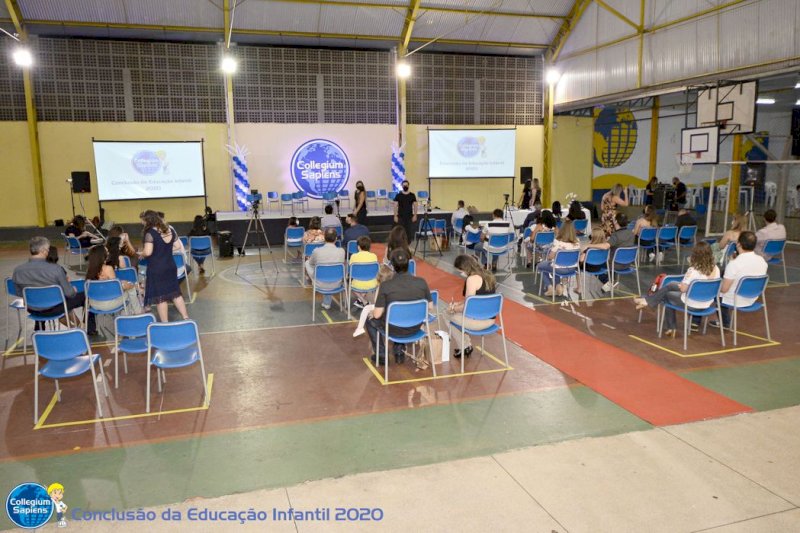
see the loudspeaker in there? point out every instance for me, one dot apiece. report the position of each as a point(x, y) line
point(525, 174)
point(81, 182)
point(795, 132)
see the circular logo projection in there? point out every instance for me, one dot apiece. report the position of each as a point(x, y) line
point(615, 134)
point(320, 166)
point(146, 162)
point(471, 146)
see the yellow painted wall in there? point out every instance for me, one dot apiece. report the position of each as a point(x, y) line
point(17, 199)
point(572, 158)
point(485, 194)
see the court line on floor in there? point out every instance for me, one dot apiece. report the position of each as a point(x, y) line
point(13, 347)
point(378, 375)
point(768, 344)
point(42, 425)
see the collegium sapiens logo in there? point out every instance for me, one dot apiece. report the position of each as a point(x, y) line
point(29, 505)
point(320, 166)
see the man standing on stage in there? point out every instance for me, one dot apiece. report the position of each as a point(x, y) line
point(405, 210)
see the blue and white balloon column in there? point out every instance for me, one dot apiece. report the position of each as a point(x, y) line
point(398, 167)
point(241, 184)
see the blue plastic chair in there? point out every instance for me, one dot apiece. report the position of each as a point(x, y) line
point(42, 298)
point(581, 225)
point(352, 248)
point(647, 241)
point(687, 236)
point(470, 239)
point(435, 315)
point(672, 278)
point(541, 245)
point(344, 198)
point(328, 197)
point(625, 261)
point(68, 355)
point(293, 238)
point(328, 274)
point(130, 337)
point(749, 287)
point(126, 261)
point(382, 196)
point(392, 195)
point(273, 198)
point(372, 196)
point(185, 241)
point(73, 247)
point(412, 267)
point(142, 265)
point(108, 290)
point(458, 228)
point(200, 248)
point(774, 254)
point(730, 249)
point(405, 315)
point(308, 249)
point(287, 200)
point(304, 201)
point(79, 285)
point(338, 228)
point(666, 239)
point(128, 274)
point(705, 293)
point(422, 195)
point(499, 245)
point(595, 257)
point(180, 262)
point(565, 265)
point(483, 307)
point(361, 272)
point(174, 345)
point(14, 302)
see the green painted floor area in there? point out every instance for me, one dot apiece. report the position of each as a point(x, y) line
point(169, 472)
point(762, 386)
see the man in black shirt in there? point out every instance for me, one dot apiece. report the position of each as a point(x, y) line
point(685, 218)
point(405, 210)
point(403, 287)
point(680, 193)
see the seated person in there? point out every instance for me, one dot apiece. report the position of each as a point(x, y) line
point(556, 210)
point(314, 232)
point(685, 218)
point(566, 239)
point(576, 211)
point(738, 224)
point(294, 223)
point(363, 256)
point(328, 254)
point(199, 229)
point(649, 219)
point(77, 229)
point(771, 231)
point(329, 220)
point(746, 263)
point(622, 237)
point(403, 287)
point(99, 269)
point(497, 226)
point(126, 248)
point(546, 222)
point(459, 213)
point(398, 240)
point(597, 241)
point(39, 272)
point(354, 229)
point(701, 266)
point(478, 281)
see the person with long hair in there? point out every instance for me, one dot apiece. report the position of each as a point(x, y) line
point(566, 239)
point(126, 248)
point(77, 229)
point(576, 211)
point(536, 193)
point(650, 191)
point(360, 200)
point(314, 232)
point(702, 266)
point(526, 199)
point(649, 219)
point(199, 229)
point(738, 225)
point(608, 207)
point(478, 281)
point(98, 269)
point(397, 240)
point(556, 210)
point(162, 271)
point(115, 256)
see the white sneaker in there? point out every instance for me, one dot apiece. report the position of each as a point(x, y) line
point(651, 256)
point(660, 257)
point(607, 286)
point(326, 306)
point(359, 332)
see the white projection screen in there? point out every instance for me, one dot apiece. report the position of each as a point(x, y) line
point(472, 153)
point(148, 170)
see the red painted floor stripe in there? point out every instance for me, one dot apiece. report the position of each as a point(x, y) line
point(652, 393)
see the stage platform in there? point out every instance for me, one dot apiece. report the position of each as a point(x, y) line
point(275, 222)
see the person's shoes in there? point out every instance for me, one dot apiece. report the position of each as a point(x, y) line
point(715, 324)
point(670, 333)
point(359, 304)
point(494, 268)
point(641, 303)
point(660, 257)
point(93, 333)
point(326, 306)
point(201, 270)
point(549, 291)
point(467, 352)
point(694, 327)
point(399, 358)
point(378, 361)
point(606, 286)
point(651, 256)
point(358, 332)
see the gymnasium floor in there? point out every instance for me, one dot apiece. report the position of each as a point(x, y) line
point(608, 407)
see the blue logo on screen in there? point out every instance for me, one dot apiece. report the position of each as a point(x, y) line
point(471, 146)
point(320, 166)
point(146, 162)
point(29, 505)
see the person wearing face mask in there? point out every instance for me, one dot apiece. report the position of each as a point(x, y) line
point(361, 203)
point(405, 210)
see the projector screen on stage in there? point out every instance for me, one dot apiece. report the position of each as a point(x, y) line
point(472, 153)
point(148, 170)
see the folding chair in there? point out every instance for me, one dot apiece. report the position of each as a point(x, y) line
point(687, 236)
point(130, 337)
point(73, 247)
point(293, 238)
point(703, 294)
point(404, 315)
point(625, 261)
point(361, 272)
point(174, 345)
point(565, 265)
point(180, 262)
point(273, 198)
point(749, 288)
point(15, 302)
point(42, 298)
point(102, 293)
point(200, 248)
point(774, 254)
point(595, 257)
point(328, 274)
point(308, 249)
point(483, 307)
point(68, 355)
point(666, 239)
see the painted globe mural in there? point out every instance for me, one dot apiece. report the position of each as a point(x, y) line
point(615, 134)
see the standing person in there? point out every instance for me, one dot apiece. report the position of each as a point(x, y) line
point(680, 193)
point(199, 229)
point(405, 210)
point(608, 207)
point(650, 190)
point(354, 230)
point(361, 203)
point(478, 281)
point(526, 199)
point(536, 192)
point(772, 230)
point(162, 272)
point(328, 254)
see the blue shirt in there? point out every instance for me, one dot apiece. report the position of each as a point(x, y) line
point(354, 232)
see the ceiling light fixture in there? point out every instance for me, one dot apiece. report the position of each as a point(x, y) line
point(228, 65)
point(403, 70)
point(23, 57)
point(552, 76)
point(767, 101)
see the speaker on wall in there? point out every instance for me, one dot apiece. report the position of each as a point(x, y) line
point(525, 174)
point(81, 182)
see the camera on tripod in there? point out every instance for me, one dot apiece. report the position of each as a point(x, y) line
point(255, 198)
point(506, 197)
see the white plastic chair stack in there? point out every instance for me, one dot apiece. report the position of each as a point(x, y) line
point(771, 193)
point(720, 198)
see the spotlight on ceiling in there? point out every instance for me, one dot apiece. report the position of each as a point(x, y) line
point(552, 76)
point(228, 65)
point(765, 101)
point(403, 70)
point(23, 57)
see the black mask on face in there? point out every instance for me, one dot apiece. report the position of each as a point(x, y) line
point(405, 188)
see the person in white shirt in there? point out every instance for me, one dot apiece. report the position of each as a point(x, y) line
point(497, 226)
point(458, 213)
point(566, 239)
point(702, 266)
point(746, 263)
point(772, 231)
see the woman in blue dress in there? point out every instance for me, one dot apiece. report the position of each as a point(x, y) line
point(162, 284)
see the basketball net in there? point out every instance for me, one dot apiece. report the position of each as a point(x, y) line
point(686, 161)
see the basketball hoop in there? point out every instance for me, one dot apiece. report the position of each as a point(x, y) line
point(685, 162)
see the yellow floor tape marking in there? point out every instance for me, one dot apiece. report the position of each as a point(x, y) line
point(204, 407)
point(194, 297)
point(327, 317)
point(378, 375)
point(13, 347)
point(702, 354)
point(47, 410)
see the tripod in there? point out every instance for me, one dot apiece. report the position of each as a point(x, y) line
point(256, 227)
point(507, 209)
point(426, 230)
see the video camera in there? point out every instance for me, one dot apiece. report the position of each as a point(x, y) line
point(255, 198)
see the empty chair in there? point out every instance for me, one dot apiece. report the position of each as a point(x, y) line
point(721, 198)
point(180, 262)
point(292, 239)
point(273, 198)
point(174, 345)
point(773, 252)
point(625, 261)
point(702, 299)
point(14, 302)
point(287, 200)
point(372, 197)
point(68, 355)
point(344, 198)
point(392, 195)
point(687, 236)
point(382, 197)
point(482, 307)
point(422, 195)
point(200, 248)
point(39, 299)
point(745, 299)
point(130, 337)
point(328, 280)
point(328, 197)
point(404, 315)
point(73, 247)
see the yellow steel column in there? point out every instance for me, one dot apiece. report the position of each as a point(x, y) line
point(33, 138)
point(653, 138)
point(548, 147)
point(229, 111)
point(736, 175)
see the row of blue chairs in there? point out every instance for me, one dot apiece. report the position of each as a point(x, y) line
point(300, 198)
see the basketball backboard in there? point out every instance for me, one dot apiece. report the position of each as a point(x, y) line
point(700, 146)
point(732, 106)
